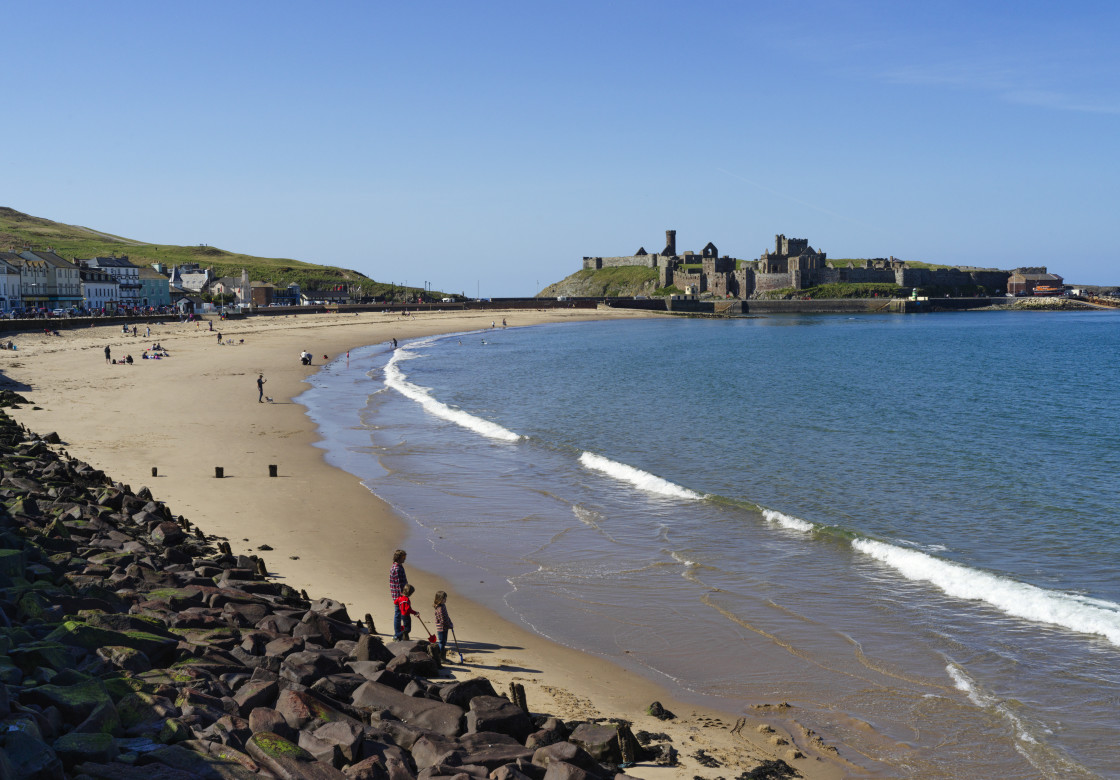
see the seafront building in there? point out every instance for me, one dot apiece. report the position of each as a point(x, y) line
point(9, 283)
point(126, 274)
point(47, 281)
point(100, 289)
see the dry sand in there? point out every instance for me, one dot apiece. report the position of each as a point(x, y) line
point(198, 409)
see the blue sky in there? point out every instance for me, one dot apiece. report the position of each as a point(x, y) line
point(488, 147)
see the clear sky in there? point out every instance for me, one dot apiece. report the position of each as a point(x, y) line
point(489, 146)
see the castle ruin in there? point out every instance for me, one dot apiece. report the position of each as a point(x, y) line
point(793, 264)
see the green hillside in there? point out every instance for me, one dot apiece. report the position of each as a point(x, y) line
point(624, 281)
point(19, 232)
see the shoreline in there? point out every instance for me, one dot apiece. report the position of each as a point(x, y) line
point(329, 534)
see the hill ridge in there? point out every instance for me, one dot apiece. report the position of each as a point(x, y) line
point(20, 231)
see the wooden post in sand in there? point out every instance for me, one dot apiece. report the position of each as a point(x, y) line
point(272, 471)
point(517, 695)
point(155, 471)
point(219, 472)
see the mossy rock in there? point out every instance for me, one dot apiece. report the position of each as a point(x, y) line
point(174, 731)
point(58, 529)
point(119, 687)
point(32, 605)
point(275, 746)
point(140, 707)
point(126, 658)
point(74, 748)
point(11, 563)
point(72, 632)
point(75, 702)
point(10, 674)
point(50, 655)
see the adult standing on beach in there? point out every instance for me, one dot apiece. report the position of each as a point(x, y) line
point(260, 388)
point(108, 354)
point(397, 580)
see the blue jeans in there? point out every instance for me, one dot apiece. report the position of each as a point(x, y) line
point(442, 637)
point(396, 621)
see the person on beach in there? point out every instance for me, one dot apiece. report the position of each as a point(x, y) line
point(260, 388)
point(108, 354)
point(443, 622)
point(397, 580)
point(219, 337)
point(405, 611)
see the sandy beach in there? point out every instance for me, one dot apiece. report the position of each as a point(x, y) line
point(198, 409)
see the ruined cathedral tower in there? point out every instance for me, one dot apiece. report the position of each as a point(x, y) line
point(670, 243)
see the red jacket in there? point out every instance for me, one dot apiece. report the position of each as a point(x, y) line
point(405, 606)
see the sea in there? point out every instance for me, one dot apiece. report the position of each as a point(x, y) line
point(904, 526)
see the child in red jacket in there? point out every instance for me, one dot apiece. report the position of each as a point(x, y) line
point(404, 606)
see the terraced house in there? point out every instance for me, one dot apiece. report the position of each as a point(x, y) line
point(48, 282)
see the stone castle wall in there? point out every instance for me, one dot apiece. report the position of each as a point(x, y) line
point(595, 263)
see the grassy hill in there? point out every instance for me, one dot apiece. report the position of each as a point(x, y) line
point(19, 232)
point(604, 282)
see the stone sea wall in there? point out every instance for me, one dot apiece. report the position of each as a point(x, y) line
point(134, 645)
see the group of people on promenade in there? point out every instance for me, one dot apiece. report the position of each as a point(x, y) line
point(401, 593)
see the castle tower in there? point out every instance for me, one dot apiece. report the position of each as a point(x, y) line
point(670, 243)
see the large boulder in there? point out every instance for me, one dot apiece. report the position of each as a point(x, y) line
point(567, 753)
point(307, 666)
point(600, 741)
point(266, 719)
point(345, 736)
point(74, 748)
point(76, 702)
point(287, 760)
point(461, 693)
point(493, 713)
point(371, 648)
point(338, 686)
point(299, 709)
point(561, 770)
point(256, 693)
point(445, 719)
point(31, 758)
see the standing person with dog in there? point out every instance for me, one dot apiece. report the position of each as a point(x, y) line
point(260, 388)
point(397, 580)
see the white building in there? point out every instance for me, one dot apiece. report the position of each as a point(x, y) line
point(9, 283)
point(126, 274)
point(100, 289)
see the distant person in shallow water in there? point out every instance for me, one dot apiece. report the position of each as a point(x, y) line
point(397, 580)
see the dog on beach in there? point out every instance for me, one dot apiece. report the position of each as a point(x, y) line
point(268, 399)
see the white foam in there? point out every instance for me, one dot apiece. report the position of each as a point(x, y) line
point(683, 561)
point(984, 700)
point(640, 479)
point(787, 521)
point(1009, 596)
point(395, 379)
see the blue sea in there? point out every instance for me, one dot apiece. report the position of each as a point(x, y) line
point(905, 526)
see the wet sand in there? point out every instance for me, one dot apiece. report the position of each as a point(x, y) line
point(198, 409)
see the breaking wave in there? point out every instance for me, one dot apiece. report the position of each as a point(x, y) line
point(642, 480)
point(1011, 597)
point(395, 378)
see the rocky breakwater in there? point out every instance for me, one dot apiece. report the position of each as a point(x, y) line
point(1048, 304)
point(133, 646)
